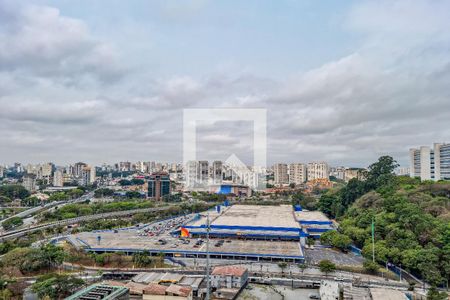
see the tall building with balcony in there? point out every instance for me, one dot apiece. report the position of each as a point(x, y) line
point(58, 178)
point(280, 173)
point(29, 182)
point(217, 172)
point(297, 173)
point(430, 163)
point(196, 174)
point(159, 185)
point(87, 175)
point(318, 170)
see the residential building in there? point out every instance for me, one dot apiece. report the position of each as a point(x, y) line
point(351, 173)
point(87, 176)
point(402, 171)
point(280, 172)
point(297, 173)
point(1, 171)
point(124, 166)
point(229, 277)
point(196, 174)
point(318, 170)
point(159, 185)
point(430, 163)
point(29, 182)
point(78, 169)
point(58, 178)
point(338, 172)
point(217, 172)
point(47, 170)
point(162, 292)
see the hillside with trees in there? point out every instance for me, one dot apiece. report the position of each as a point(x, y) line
point(411, 219)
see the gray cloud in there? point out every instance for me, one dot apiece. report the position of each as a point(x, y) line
point(58, 100)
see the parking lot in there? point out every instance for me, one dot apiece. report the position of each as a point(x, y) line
point(157, 237)
point(314, 256)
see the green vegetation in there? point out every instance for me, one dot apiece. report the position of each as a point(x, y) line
point(336, 239)
point(434, 294)
point(371, 266)
point(13, 191)
point(23, 261)
point(11, 223)
point(326, 266)
point(103, 192)
point(76, 210)
point(56, 286)
point(411, 219)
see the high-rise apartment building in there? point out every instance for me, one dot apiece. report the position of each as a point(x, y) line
point(88, 175)
point(159, 185)
point(29, 182)
point(430, 163)
point(297, 173)
point(196, 173)
point(280, 172)
point(78, 169)
point(58, 178)
point(217, 172)
point(318, 170)
point(1, 172)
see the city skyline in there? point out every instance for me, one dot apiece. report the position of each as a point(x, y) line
point(341, 83)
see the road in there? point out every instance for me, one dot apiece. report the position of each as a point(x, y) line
point(47, 206)
point(21, 232)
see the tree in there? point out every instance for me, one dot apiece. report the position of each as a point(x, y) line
point(370, 266)
point(302, 267)
point(56, 286)
point(341, 241)
point(381, 173)
point(434, 294)
point(11, 223)
point(326, 266)
point(282, 265)
point(14, 191)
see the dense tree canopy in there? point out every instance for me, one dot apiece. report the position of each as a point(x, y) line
point(412, 219)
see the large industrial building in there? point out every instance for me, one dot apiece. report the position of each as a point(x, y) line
point(242, 232)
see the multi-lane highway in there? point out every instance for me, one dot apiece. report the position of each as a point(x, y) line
point(24, 231)
point(37, 209)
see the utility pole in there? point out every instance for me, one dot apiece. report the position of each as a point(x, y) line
point(207, 258)
point(373, 240)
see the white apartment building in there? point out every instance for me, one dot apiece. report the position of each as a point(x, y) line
point(430, 163)
point(1, 171)
point(217, 172)
point(229, 277)
point(318, 170)
point(280, 172)
point(88, 175)
point(297, 173)
point(58, 178)
point(196, 174)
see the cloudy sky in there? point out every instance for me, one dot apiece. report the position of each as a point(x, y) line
point(108, 80)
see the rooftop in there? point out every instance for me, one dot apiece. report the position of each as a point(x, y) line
point(257, 216)
point(229, 270)
point(311, 216)
point(386, 294)
point(179, 290)
point(99, 292)
point(155, 289)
